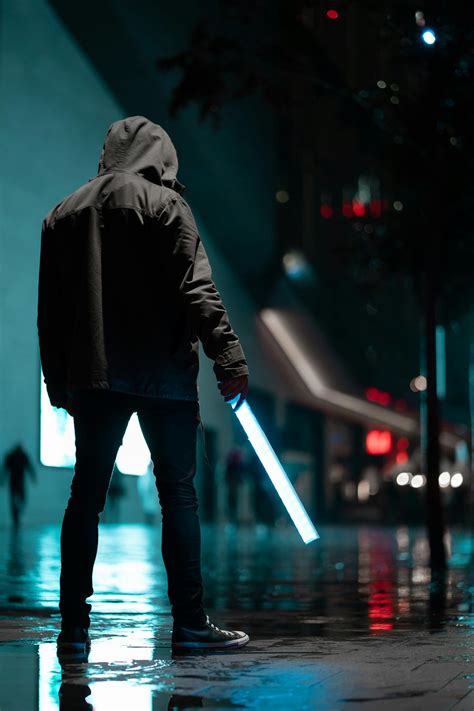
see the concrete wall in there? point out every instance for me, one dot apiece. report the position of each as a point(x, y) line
point(55, 111)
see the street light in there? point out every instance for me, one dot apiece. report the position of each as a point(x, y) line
point(428, 37)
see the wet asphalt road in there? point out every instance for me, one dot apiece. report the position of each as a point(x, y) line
point(354, 620)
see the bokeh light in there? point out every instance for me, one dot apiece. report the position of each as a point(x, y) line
point(429, 37)
point(282, 196)
point(444, 479)
point(456, 480)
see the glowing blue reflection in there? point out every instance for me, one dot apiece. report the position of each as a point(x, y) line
point(275, 471)
point(107, 693)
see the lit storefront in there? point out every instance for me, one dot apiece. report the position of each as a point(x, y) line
point(361, 448)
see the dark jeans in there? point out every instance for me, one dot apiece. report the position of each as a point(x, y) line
point(169, 427)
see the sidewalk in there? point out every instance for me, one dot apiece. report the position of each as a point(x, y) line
point(351, 621)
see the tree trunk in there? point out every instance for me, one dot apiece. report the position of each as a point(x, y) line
point(430, 426)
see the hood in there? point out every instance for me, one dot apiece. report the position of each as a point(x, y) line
point(138, 145)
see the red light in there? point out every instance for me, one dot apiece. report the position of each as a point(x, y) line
point(359, 208)
point(377, 626)
point(332, 14)
point(384, 399)
point(376, 208)
point(381, 601)
point(379, 396)
point(401, 458)
point(403, 443)
point(400, 406)
point(378, 442)
point(347, 210)
point(326, 211)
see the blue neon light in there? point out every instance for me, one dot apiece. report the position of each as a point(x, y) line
point(275, 471)
point(429, 37)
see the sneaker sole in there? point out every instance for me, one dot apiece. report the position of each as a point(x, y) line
point(212, 645)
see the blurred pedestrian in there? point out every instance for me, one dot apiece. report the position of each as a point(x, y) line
point(234, 466)
point(125, 294)
point(16, 464)
point(264, 495)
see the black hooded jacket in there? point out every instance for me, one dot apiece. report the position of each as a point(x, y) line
point(125, 288)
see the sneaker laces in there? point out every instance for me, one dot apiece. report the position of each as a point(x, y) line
point(218, 629)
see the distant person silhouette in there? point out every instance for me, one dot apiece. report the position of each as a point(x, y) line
point(17, 463)
point(264, 497)
point(234, 471)
point(125, 295)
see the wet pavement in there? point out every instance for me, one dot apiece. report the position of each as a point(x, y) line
point(354, 620)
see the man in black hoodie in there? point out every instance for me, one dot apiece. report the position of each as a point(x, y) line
point(125, 294)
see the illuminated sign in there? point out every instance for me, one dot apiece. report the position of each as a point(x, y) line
point(58, 444)
point(57, 438)
point(378, 442)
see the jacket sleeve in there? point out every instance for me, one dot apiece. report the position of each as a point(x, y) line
point(191, 271)
point(50, 321)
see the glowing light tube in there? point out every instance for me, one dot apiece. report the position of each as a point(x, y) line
point(275, 471)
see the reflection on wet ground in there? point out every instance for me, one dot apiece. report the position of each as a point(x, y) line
point(353, 620)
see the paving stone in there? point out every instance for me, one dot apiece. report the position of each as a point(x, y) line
point(320, 639)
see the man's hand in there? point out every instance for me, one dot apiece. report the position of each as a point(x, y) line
point(233, 387)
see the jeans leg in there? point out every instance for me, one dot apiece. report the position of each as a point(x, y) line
point(170, 428)
point(100, 422)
